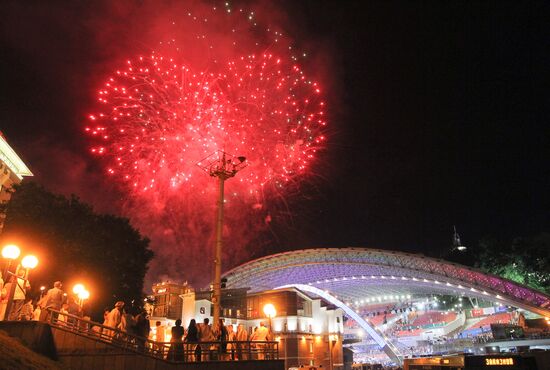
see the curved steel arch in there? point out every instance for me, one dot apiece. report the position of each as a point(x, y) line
point(352, 273)
point(374, 333)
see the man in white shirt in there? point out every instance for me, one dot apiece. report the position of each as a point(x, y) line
point(260, 335)
point(21, 287)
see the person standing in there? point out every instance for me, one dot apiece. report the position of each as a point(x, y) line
point(114, 318)
point(52, 300)
point(159, 338)
point(260, 335)
point(27, 310)
point(231, 337)
point(241, 337)
point(206, 335)
point(222, 338)
point(21, 287)
point(175, 353)
point(127, 323)
point(143, 328)
point(192, 338)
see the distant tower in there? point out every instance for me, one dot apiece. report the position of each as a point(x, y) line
point(12, 170)
point(456, 241)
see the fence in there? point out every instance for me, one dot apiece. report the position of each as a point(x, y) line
point(170, 351)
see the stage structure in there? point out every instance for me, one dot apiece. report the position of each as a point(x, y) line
point(349, 276)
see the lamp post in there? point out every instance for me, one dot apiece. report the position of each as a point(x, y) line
point(82, 296)
point(81, 293)
point(28, 262)
point(10, 252)
point(270, 312)
point(223, 166)
point(332, 339)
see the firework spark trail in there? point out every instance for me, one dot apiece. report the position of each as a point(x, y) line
point(161, 115)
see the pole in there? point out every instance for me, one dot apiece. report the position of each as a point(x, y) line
point(11, 292)
point(330, 345)
point(216, 297)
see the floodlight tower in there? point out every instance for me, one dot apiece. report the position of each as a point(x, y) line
point(223, 166)
point(456, 241)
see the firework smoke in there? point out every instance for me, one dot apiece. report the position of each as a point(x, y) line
point(167, 110)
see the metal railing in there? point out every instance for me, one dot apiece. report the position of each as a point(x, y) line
point(171, 351)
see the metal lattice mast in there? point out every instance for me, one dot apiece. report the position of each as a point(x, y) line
point(224, 167)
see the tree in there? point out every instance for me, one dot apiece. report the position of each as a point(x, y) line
point(525, 260)
point(75, 244)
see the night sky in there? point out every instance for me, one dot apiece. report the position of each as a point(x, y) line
point(438, 114)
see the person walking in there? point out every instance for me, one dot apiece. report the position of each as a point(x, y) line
point(52, 300)
point(175, 353)
point(192, 339)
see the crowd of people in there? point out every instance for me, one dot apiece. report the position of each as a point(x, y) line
point(23, 308)
point(198, 342)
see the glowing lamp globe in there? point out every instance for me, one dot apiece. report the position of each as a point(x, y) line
point(29, 262)
point(84, 294)
point(78, 288)
point(270, 310)
point(11, 251)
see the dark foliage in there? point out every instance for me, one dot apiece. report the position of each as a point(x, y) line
point(75, 244)
point(525, 260)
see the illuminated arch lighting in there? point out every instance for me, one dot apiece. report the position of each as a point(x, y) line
point(374, 333)
point(373, 269)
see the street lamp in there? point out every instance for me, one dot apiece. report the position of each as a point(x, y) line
point(270, 312)
point(78, 288)
point(28, 262)
point(81, 293)
point(9, 252)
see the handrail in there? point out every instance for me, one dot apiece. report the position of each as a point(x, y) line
point(176, 351)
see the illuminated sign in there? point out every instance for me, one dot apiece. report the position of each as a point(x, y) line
point(161, 290)
point(499, 361)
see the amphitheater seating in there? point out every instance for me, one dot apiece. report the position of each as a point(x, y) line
point(409, 333)
point(434, 318)
point(499, 318)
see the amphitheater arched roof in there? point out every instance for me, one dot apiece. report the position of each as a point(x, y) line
point(354, 274)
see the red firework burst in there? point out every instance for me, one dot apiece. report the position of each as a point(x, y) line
point(160, 118)
point(227, 83)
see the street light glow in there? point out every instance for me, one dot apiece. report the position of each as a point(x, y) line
point(29, 262)
point(83, 294)
point(11, 251)
point(270, 310)
point(78, 288)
